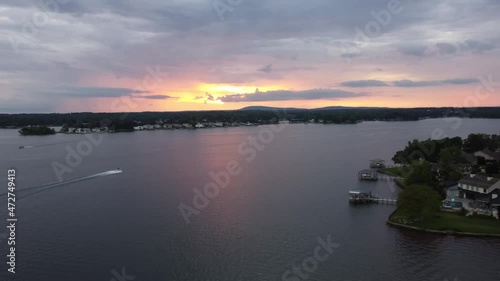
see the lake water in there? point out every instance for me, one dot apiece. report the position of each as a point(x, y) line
point(267, 220)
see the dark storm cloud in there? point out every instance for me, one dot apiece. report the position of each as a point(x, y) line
point(411, 83)
point(156, 97)
point(417, 50)
point(93, 92)
point(364, 83)
point(408, 83)
point(267, 69)
point(446, 48)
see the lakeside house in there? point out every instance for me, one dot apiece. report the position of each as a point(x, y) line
point(476, 194)
point(479, 184)
point(481, 192)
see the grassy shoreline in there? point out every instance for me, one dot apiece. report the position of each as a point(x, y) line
point(394, 171)
point(452, 223)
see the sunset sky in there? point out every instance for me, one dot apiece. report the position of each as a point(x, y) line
point(172, 55)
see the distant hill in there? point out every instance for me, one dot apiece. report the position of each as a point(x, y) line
point(269, 108)
point(266, 108)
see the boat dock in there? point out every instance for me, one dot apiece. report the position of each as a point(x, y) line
point(358, 197)
point(388, 201)
point(373, 175)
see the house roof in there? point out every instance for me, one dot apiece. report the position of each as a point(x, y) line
point(455, 187)
point(495, 155)
point(480, 181)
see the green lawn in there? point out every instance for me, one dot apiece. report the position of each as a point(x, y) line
point(454, 222)
point(395, 171)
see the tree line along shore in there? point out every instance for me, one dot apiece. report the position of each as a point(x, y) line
point(451, 185)
point(253, 115)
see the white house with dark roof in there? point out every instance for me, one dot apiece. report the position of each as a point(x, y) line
point(479, 184)
point(482, 189)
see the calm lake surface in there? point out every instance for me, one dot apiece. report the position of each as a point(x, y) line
point(266, 221)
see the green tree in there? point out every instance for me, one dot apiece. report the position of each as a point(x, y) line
point(451, 155)
point(448, 157)
point(38, 130)
point(492, 168)
point(476, 142)
point(421, 173)
point(418, 202)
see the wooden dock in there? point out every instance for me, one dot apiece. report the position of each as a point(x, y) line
point(357, 197)
point(385, 201)
point(388, 201)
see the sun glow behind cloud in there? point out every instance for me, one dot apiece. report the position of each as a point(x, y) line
point(424, 57)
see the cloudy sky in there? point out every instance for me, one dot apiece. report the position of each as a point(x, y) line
point(171, 55)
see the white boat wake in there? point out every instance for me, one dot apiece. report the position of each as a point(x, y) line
point(38, 189)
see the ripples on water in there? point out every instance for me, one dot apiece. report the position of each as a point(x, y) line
point(266, 221)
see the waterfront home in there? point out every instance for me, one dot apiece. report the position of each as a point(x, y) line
point(479, 184)
point(377, 163)
point(488, 155)
point(453, 192)
point(481, 189)
point(371, 175)
point(199, 126)
point(83, 131)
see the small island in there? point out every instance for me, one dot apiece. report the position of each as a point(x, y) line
point(37, 131)
point(450, 186)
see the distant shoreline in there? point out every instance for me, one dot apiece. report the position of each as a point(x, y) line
point(253, 115)
point(171, 127)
